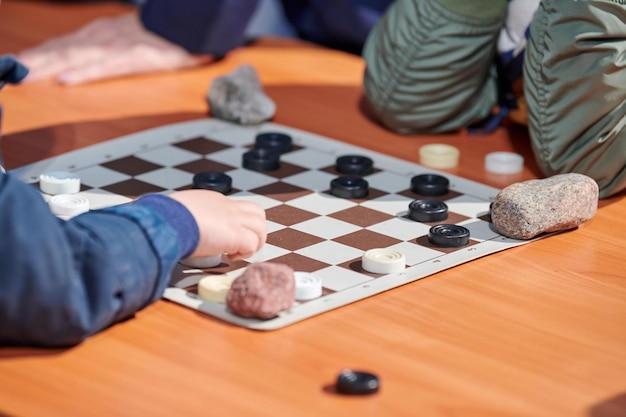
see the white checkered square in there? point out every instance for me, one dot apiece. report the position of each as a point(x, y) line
point(274, 227)
point(243, 180)
point(330, 252)
point(229, 156)
point(392, 204)
point(99, 176)
point(468, 206)
point(267, 252)
point(338, 279)
point(168, 156)
point(480, 230)
point(325, 227)
point(235, 136)
point(389, 181)
point(170, 178)
point(321, 203)
point(100, 198)
point(308, 158)
point(311, 180)
point(415, 254)
point(265, 202)
point(400, 228)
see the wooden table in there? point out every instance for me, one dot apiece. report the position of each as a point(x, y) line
point(539, 330)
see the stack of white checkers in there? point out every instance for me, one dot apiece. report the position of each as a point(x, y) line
point(63, 188)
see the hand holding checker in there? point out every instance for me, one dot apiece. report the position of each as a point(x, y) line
point(236, 228)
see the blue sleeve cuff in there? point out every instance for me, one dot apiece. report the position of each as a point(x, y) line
point(178, 217)
point(11, 70)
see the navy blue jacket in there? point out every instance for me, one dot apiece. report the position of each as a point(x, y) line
point(63, 281)
point(216, 27)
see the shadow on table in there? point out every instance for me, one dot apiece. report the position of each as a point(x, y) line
point(325, 110)
point(611, 407)
point(31, 352)
point(33, 145)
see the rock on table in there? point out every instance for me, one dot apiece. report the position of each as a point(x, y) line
point(262, 291)
point(526, 209)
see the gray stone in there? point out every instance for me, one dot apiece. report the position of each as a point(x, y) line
point(239, 97)
point(527, 209)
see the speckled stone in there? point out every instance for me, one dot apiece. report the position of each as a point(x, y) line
point(262, 291)
point(239, 97)
point(527, 209)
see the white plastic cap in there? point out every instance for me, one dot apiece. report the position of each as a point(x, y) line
point(383, 261)
point(308, 286)
point(504, 163)
point(67, 206)
point(59, 182)
point(439, 155)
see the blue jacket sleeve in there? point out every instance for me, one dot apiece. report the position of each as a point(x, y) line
point(200, 26)
point(61, 282)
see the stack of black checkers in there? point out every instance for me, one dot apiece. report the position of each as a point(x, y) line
point(430, 210)
point(264, 157)
point(351, 184)
point(268, 147)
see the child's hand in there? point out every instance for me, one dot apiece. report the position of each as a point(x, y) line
point(236, 228)
point(106, 48)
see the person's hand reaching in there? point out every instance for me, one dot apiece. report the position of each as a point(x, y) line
point(236, 228)
point(106, 48)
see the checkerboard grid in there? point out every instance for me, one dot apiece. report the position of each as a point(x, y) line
point(388, 175)
point(169, 155)
point(322, 203)
point(336, 278)
point(308, 158)
point(340, 257)
point(98, 176)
